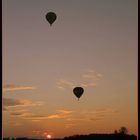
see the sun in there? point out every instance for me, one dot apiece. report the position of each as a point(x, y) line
point(49, 136)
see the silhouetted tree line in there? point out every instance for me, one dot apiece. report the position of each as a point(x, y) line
point(15, 139)
point(93, 137)
point(102, 137)
point(120, 134)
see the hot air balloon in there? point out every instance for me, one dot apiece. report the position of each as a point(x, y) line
point(51, 17)
point(78, 91)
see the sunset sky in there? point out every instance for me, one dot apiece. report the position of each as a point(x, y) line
point(92, 43)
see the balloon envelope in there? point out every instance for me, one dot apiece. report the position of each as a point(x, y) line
point(51, 17)
point(78, 91)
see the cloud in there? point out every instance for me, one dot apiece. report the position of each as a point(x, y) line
point(37, 116)
point(18, 124)
point(95, 119)
point(20, 113)
point(92, 75)
point(93, 115)
point(68, 115)
point(35, 120)
point(88, 84)
point(37, 132)
point(67, 84)
point(12, 123)
point(82, 118)
point(15, 87)
point(70, 125)
point(105, 111)
point(17, 114)
point(4, 108)
point(10, 102)
point(100, 112)
point(56, 116)
point(65, 111)
point(60, 114)
point(89, 79)
point(63, 84)
point(28, 115)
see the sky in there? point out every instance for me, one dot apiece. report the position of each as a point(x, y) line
point(92, 44)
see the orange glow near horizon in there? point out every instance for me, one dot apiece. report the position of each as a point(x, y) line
point(49, 136)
